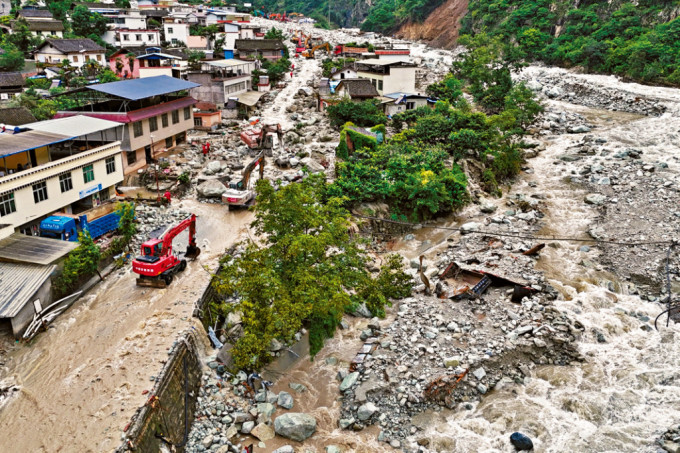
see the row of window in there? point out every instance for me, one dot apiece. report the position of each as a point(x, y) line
point(7, 205)
point(138, 128)
point(75, 58)
point(138, 37)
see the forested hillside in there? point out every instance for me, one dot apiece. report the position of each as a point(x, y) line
point(638, 40)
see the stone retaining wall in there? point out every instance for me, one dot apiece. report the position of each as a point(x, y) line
point(164, 413)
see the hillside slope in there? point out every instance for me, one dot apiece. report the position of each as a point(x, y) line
point(440, 28)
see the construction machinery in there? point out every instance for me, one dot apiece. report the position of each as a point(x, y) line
point(240, 194)
point(263, 138)
point(310, 53)
point(157, 264)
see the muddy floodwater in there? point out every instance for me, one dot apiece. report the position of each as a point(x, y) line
point(81, 381)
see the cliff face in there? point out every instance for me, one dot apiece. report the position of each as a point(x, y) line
point(441, 27)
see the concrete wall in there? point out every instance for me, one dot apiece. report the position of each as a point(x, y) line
point(167, 416)
point(21, 321)
point(400, 80)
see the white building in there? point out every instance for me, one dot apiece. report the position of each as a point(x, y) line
point(388, 76)
point(77, 51)
point(68, 165)
point(123, 37)
point(176, 33)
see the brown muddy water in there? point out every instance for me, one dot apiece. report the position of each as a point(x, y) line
point(82, 380)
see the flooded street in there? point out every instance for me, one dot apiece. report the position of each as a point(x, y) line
point(81, 381)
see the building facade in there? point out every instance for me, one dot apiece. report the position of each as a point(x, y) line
point(77, 51)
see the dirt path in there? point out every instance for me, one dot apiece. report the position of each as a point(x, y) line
point(83, 379)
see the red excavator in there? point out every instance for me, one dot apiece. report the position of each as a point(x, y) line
point(157, 264)
point(262, 138)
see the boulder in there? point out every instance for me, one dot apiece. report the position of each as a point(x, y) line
point(285, 400)
point(349, 381)
point(487, 207)
point(284, 449)
point(363, 311)
point(247, 427)
point(521, 442)
point(263, 432)
point(312, 165)
point(469, 227)
point(333, 449)
point(305, 91)
point(595, 199)
point(553, 92)
point(366, 411)
point(295, 426)
point(266, 409)
point(212, 188)
point(214, 167)
point(579, 130)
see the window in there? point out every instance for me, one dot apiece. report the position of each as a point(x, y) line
point(110, 165)
point(65, 182)
point(153, 123)
point(168, 142)
point(175, 116)
point(380, 85)
point(75, 58)
point(40, 192)
point(164, 120)
point(151, 38)
point(138, 37)
point(237, 87)
point(126, 37)
point(7, 205)
point(104, 194)
point(131, 157)
point(99, 58)
point(187, 113)
point(174, 41)
point(198, 122)
point(88, 173)
point(137, 128)
point(170, 30)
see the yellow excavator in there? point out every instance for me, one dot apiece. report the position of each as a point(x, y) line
point(310, 53)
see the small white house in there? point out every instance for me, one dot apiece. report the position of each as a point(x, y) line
point(123, 37)
point(176, 33)
point(348, 72)
point(77, 51)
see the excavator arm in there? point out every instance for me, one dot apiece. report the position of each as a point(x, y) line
point(259, 159)
point(170, 235)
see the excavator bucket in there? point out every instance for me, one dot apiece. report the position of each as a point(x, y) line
point(192, 252)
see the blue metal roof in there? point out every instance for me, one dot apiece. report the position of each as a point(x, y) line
point(147, 87)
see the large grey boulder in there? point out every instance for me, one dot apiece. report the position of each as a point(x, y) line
point(366, 411)
point(349, 381)
point(312, 165)
point(212, 188)
point(295, 426)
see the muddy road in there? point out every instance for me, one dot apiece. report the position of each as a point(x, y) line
point(81, 381)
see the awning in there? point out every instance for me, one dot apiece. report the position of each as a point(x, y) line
point(25, 141)
point(165, 107)
point(250, 98)
point(76, 126)
point(19, 248)
point(18, 285)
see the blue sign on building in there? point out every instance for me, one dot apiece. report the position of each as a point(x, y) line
point(89, 191)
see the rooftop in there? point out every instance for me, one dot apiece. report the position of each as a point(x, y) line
point(259, 44)
point(19, 283)
point(16, 116)
point(378, 62)
point(19, 248)
point(11, 79)
point(72, 45)
point(75, 126)
point(358, 88)
point(44, 25)
point(30, 13)
point(147, 87)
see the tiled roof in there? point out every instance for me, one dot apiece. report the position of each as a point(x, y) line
point(73, 45)
point(358, 88)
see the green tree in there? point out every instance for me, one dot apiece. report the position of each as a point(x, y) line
point(307, 272)
point(21, 36)
point(80, 264)
point(274, 33)
point(194, 59)
point(364, 114)
point(449, 89)
point(86, 23)
point(12, 59)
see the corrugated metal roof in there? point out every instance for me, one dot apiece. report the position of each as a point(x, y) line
point(18, 285)
point(228, 63)
point(24, 141)
point(378, 62)
point(165, 107)
point(19, 248)
point(146, 87)
point(75, 125)
point(249, 98)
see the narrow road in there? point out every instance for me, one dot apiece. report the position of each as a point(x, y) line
point(82, 380)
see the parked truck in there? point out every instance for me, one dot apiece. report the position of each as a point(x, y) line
point(67, 227)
